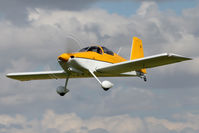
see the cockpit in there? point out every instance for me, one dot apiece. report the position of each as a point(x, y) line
point(97, 49)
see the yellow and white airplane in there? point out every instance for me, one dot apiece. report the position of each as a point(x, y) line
point(98, 61)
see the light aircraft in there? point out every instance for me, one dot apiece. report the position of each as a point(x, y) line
point(98, 61)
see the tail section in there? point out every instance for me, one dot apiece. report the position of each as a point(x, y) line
point(137, 51)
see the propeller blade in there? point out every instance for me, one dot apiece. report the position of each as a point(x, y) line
point(72, 44)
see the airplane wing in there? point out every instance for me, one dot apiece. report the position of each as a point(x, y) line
point(61, 74)
point(127, 66)
point(25, 76)
point(141, 63)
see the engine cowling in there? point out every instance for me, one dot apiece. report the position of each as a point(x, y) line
point(61, 90)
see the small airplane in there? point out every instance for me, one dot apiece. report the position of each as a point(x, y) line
point(99, 61)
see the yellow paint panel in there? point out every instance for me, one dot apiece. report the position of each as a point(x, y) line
point(137, 50)
point(100, 57)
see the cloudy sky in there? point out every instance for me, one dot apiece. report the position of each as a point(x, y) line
point(34, 33)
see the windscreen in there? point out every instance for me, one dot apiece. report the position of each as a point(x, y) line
point(107, 51)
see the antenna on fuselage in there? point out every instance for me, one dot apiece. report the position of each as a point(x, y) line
point(119, 50)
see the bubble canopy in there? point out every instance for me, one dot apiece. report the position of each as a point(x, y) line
point(97, 49)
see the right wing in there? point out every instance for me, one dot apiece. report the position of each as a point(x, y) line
point(141, 63)
point(26, 76)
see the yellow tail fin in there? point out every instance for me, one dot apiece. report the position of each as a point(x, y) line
point(137, 50)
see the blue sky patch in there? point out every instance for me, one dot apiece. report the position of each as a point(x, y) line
point(130, 8)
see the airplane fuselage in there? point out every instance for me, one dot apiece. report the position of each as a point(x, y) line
point(91, 58)
point(82, 65)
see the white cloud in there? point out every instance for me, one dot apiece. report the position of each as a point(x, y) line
point(147, 7)
point(66, 122)
point(7, 120)
point(114, 124)
point(175, 126)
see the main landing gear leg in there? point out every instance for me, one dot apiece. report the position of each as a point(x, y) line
point(62, 90)
point(106, 85)
point(144, 77)
point(66, 82)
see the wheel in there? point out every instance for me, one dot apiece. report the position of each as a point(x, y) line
point(106, 85)
point(61, 90)
point(145, 79)
point(62, 94)
point(106, 89)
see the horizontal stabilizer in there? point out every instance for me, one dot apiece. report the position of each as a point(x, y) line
point(141, 63)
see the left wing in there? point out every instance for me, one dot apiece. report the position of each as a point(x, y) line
point(141, 63)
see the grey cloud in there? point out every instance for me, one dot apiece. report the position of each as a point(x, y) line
point(99, 130)
point(189, 130)
point(53, 130)
point(16, 10)
point(154, 0)
point(2, 126)
point(11, 126)
point(94, 28)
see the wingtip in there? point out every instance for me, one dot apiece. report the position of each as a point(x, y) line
point(189, 58)
point(8, 75)
point(176, 55)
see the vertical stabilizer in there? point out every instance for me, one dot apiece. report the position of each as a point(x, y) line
point(137, 50)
